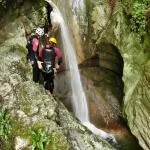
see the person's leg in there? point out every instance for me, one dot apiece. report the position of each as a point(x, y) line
point(45, 80)
point(48, 82)
point(51, 85)
point(36, 73)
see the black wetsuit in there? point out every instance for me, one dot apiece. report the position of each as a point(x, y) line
point(47, 56)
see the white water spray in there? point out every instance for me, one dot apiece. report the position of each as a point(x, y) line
point(78, 96)
point(76, 5)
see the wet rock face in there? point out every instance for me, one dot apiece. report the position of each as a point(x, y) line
point(110, 58)
point(63, 89)
point(137, 111)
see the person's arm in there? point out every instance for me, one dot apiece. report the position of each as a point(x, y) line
point(40, 60)
point(58, 54)
point(35, 43)
point(41, 54)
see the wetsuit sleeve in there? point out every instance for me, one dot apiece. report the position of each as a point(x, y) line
point(58, 54)
point(35, 43)
point(41, 54)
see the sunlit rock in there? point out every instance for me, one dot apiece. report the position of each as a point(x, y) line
point(20, 143)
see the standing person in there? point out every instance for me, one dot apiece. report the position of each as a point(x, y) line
point(47, 62)
point(33, 52)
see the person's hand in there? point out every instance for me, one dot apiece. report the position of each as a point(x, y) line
point(39, 64)
point(57, 66)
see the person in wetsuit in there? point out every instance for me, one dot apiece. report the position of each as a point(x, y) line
point(33, 52)
point(47, 64)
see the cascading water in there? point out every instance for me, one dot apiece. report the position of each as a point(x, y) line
point(78, 96)
point(76, 6)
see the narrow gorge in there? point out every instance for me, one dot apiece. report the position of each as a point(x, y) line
point(102, 88)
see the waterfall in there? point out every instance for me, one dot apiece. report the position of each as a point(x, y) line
point(78, 96)
point(77, 5)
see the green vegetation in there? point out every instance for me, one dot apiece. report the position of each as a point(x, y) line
point(42, 141)
point(9, 129)
point(38, 139)
point(136, 11)
point(138, 21)
point(57, 142)
point(4, 124)
point(36, 136)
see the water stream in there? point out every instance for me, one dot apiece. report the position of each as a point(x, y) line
point(77, 6)
point(79, 102)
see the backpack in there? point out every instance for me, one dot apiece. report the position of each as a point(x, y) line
point(29, 45)
point(48, 60)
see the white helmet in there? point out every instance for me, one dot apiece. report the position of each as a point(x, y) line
point(39, 31)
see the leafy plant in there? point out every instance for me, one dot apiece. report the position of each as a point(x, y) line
point(138, 17)
point(39, 139)
point(4, 123)
point(136, 13)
